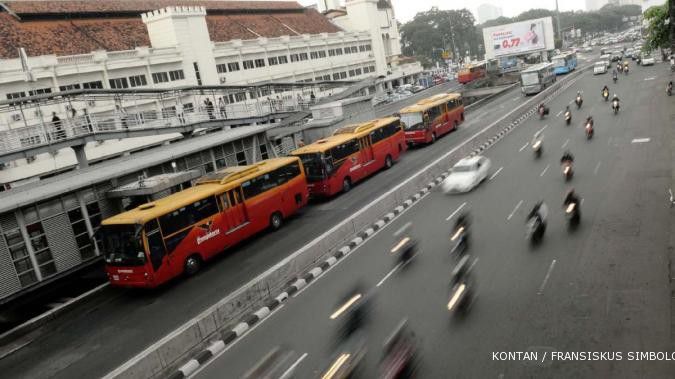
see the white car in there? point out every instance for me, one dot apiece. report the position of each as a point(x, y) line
point(607, 59)
point(647, 60)
point(466, 174)
point(599, 67)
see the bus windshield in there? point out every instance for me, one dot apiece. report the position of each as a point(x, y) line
point(315, 166)
point(122, 245)
point(412, 121)
point(529, 78)
point(559, 62)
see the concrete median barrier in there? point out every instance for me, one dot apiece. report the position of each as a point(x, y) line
point(220, 321)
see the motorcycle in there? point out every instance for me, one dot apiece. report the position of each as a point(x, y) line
point(352, 311)
point(669, 90)
point(567, 170)
point(460, 286)
point(534, 230)
point(615, 106)
point(406, 245)
point(568, 117)
point(589, 130)
point(543, 111)
point(579, 101)
point(625, 70)
point(615, 78)
point(461, 239)
point(399, 359)
point(537, 148)
point(573, 214)
point(605, 95)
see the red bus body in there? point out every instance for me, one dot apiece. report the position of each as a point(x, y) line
point(350, 155)
point(439, 115)
point(236, 218)
point(471, 73)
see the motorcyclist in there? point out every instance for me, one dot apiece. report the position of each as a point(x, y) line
point(567, 157)
point(406, 244)
point(669, 88)
point(615, 76)
point(625, 67)
point(542, 110)
point(571, 197)
point(540, 210)
point(578, 100)
point(568, 114)
point(605, 90)
point(615, 98)
point(460, 232)
point(538, 141)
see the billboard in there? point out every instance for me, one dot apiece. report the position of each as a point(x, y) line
point(519, 38)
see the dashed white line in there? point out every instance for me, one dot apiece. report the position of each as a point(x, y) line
point(650, 78)
point(542, 129)
point(472, 264)
point(514, 210)
point(524, 146)
point(546, 169)
point(548, 274)
point(393, 270)
point(559, 113)
point(565, 144)
point(496, 173)
point(640, 140)
point(597, 167)
point(288, 373)
point(516, 99)
point(455, 212)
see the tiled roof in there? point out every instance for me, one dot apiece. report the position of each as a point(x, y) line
point(44, 34)
point(139, 6)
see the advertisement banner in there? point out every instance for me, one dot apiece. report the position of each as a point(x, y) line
point(518, 38)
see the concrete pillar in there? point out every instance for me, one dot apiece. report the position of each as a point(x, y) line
point(81, 156)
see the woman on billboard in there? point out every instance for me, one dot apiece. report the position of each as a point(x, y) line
point(531, 36)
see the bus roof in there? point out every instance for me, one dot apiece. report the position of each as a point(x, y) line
point(431, 102)
point(537, 67)
point(208, 185)
point(564, 54)
point(344, 134)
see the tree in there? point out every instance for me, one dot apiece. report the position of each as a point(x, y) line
point(658, 31)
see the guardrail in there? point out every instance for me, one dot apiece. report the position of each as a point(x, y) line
point(167, 353)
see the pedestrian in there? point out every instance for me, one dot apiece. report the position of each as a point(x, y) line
point(179, 113)
point(121, 114)
point(221, 107)
point(73, 112)
point(87, 119)
point(312, 97)
point(58, 127)
point(209, 109)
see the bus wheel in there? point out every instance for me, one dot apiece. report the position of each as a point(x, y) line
point(346, 185)
point(433, 137)
point(276, 219)
point(456, 126)
point(388, 162)
point(192, 264)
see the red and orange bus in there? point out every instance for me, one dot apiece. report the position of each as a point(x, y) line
point(472, 72)
point(157, 241)
point(431, 118)
point(352, 153)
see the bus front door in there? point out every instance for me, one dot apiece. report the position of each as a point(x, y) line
point(367, 156)
point(236, 210)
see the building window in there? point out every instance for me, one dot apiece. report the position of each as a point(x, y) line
point(331, 52)
point(160, 77)
point(303, 56)
point(176, 75)
point(263, 151)
point(118, 83)
point(318, 78)
point(362, 48)
point(82, 239)
point(273, 61)
point(69, 87)
point(233, 66)
point(314, 55)
point(221, 68)
point(97, 84)
point(326, 77)
point(22, 263)
point(372, 68)
point(295, 57)
point(39, 91)
point(43, 255)
point(265, 91)
point(253, 94)
point(248, 65)
point(322, 53)
point(343, 75)
point(241, 158)
point(368, 47)
point(240, 96)
point(336, 76)
point(283, 59)
point(338, 51)
point(259, 62)
point(138, 81)
point(94, 215)
point(357, 71)
point(15, 95)
point(351, 73)
point(355, 49)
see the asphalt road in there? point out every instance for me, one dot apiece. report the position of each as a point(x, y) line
point(603, 287)
point(115, 325)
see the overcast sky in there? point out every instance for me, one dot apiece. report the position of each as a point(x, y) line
point(406, 9)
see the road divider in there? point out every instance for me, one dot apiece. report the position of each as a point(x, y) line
point(228, 319)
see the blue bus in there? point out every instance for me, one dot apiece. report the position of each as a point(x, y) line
point(564, 63)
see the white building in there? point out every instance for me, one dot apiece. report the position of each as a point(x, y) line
point(594, 5)
point(487, 12)
point(626, 2)
point(82, 44)
point(646, 4)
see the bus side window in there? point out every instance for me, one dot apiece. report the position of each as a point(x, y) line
point(155, 244)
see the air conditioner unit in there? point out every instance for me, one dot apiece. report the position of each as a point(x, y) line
point(91, 103)
point(223, 80)
point(16, 117)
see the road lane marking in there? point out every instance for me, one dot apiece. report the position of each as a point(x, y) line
point(514, 210)
point(650, 78)
point(640, 140)
point(472, 264)
point(287, 374)
point(524, 146)
point(559, 113)
point(597, 167)
point(455, 212)
point(393, 270)
point(516, 99)
point(542, 129)
point(548, 274)
point(546, 169)
point(565, 144)
point(582, 201)
point(496, 173)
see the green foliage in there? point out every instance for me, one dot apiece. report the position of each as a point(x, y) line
point(658, 32)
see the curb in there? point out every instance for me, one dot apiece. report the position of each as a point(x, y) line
point(228, 337)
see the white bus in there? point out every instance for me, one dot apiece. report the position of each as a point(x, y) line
point(534, 79)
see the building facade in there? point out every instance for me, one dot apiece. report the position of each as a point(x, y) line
point(487, 12)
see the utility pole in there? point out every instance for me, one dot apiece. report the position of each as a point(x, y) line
point(557, 20)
